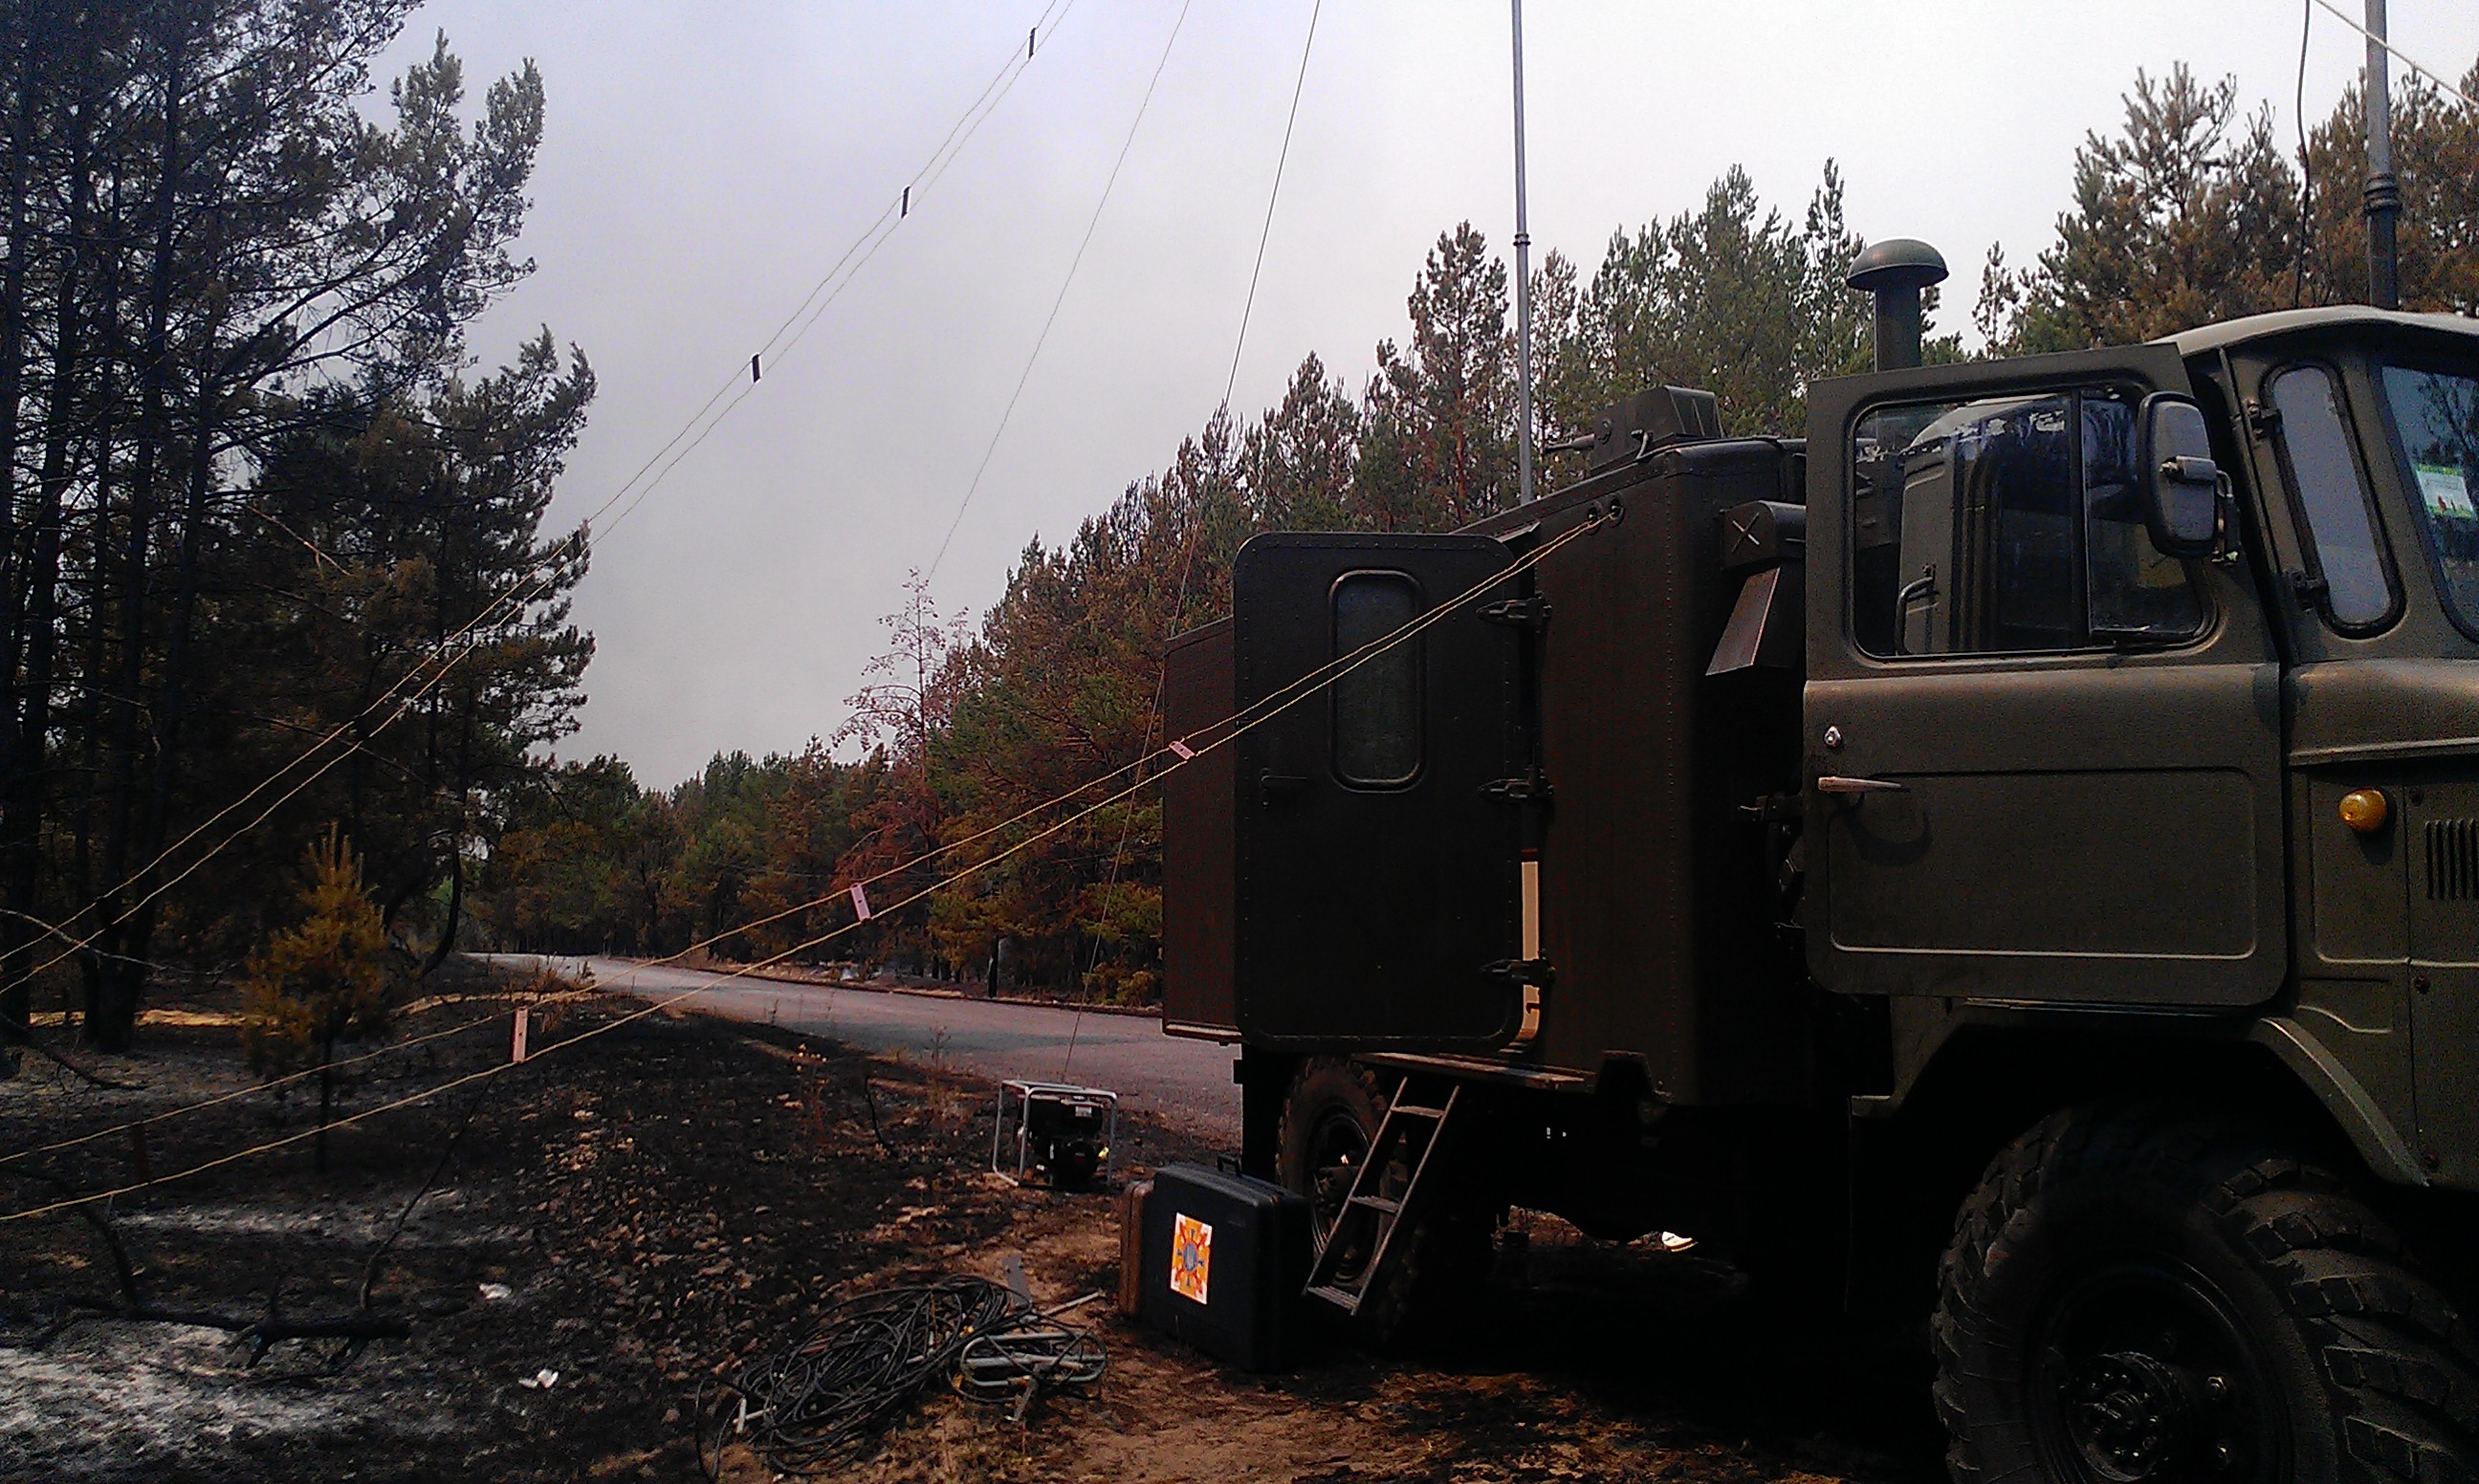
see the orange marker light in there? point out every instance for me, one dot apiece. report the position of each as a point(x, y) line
point(2365, 810)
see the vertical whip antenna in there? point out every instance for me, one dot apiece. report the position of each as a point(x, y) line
point(1524, 282)
point(2384, 197)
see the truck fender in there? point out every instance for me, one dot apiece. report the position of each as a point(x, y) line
point(2387, 1154)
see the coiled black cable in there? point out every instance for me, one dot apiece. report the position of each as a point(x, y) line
point(812, 1402)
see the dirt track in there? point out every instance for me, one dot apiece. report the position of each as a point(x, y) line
point(671, 1196)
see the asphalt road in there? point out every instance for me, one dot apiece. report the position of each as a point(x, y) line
point(1185, 1084)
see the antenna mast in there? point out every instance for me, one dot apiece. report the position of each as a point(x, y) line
point(2384, 198)
point(1523, 277)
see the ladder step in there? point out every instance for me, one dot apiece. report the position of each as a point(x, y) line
point(1346, 1299)
point(1415, 1111)
point(1377, 1203)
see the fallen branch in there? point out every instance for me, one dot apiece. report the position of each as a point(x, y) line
point(26, 1041)
point(356, 1330)
point(124, 1273)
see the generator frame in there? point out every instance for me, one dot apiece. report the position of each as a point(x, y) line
point(1030, 1094)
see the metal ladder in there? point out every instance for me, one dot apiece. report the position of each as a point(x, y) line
point(1351, 1256)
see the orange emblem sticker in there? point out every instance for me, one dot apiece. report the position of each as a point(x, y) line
point(1191, 1257)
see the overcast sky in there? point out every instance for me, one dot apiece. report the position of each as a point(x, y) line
point(703, 166)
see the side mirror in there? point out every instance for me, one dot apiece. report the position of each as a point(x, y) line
point(2182, 485)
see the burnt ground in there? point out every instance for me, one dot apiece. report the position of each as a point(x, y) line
point(677, 1194)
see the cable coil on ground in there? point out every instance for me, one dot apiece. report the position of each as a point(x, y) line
point(812, 1402)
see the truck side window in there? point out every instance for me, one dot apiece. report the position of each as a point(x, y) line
point(1377, 703)
point(2332, 497)
point(2436, 416)
point(2008, 525)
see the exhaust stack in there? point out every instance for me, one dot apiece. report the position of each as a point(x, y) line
point(1895, 271)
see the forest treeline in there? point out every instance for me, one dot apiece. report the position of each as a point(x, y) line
point(274, 560)
point(2189, 211)
point(257, 496)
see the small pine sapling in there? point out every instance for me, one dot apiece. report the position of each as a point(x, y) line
point(325, 980)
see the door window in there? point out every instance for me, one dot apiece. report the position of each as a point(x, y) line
point(2331, 497)
point(2009, 524)
point(1377, 701)
point(2436, 416)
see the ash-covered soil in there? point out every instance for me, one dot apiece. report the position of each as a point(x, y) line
point(641, 1212)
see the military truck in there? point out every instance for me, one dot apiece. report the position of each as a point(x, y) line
point(2011, 853)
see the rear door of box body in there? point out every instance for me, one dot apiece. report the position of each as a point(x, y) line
point(1377, 876)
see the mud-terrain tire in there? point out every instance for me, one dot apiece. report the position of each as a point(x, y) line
point(2133, 1291)
point(1331, 1110)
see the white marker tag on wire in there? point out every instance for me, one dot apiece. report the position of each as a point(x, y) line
point(516, 1043)
point(861, 899)
point(1182, 751)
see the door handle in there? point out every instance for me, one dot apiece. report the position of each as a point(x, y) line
point(1835, 784)
point(1271, 786)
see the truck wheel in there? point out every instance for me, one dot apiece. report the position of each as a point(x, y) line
point(2134, 1295)
point(1330, 1119)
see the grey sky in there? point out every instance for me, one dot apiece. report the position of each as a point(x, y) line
point(704, 164)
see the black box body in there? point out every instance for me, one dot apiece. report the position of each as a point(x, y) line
point(1225, 1259)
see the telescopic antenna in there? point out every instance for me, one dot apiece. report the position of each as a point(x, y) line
point(1524, 279)
point(2384, 197)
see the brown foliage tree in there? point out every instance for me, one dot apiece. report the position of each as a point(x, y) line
point(327, 979)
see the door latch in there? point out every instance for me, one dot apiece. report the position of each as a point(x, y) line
point(1772, 810)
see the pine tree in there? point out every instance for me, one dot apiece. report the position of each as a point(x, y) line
point(2191, 214)
point(1295, 464)
point(1731, 298)
point(213, 242)
point(2436, 160)
point(325, 980)
point(1438, 431)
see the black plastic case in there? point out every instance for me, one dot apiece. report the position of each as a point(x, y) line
point(1225, 1258)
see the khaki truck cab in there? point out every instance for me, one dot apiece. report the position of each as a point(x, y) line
point(2011, 853)
point(2130, 781)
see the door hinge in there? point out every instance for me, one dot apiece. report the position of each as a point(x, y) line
point(1532, 613)
point(2261, 419)
point(2307, 590)
point(1530, 979)
point(1531, 788)
point(1536, 972)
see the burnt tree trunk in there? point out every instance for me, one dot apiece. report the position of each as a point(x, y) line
point(326, 1099)
point(19, 830)
point(112, 1018)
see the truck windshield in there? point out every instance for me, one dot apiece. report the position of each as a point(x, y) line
point(2435, 422)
